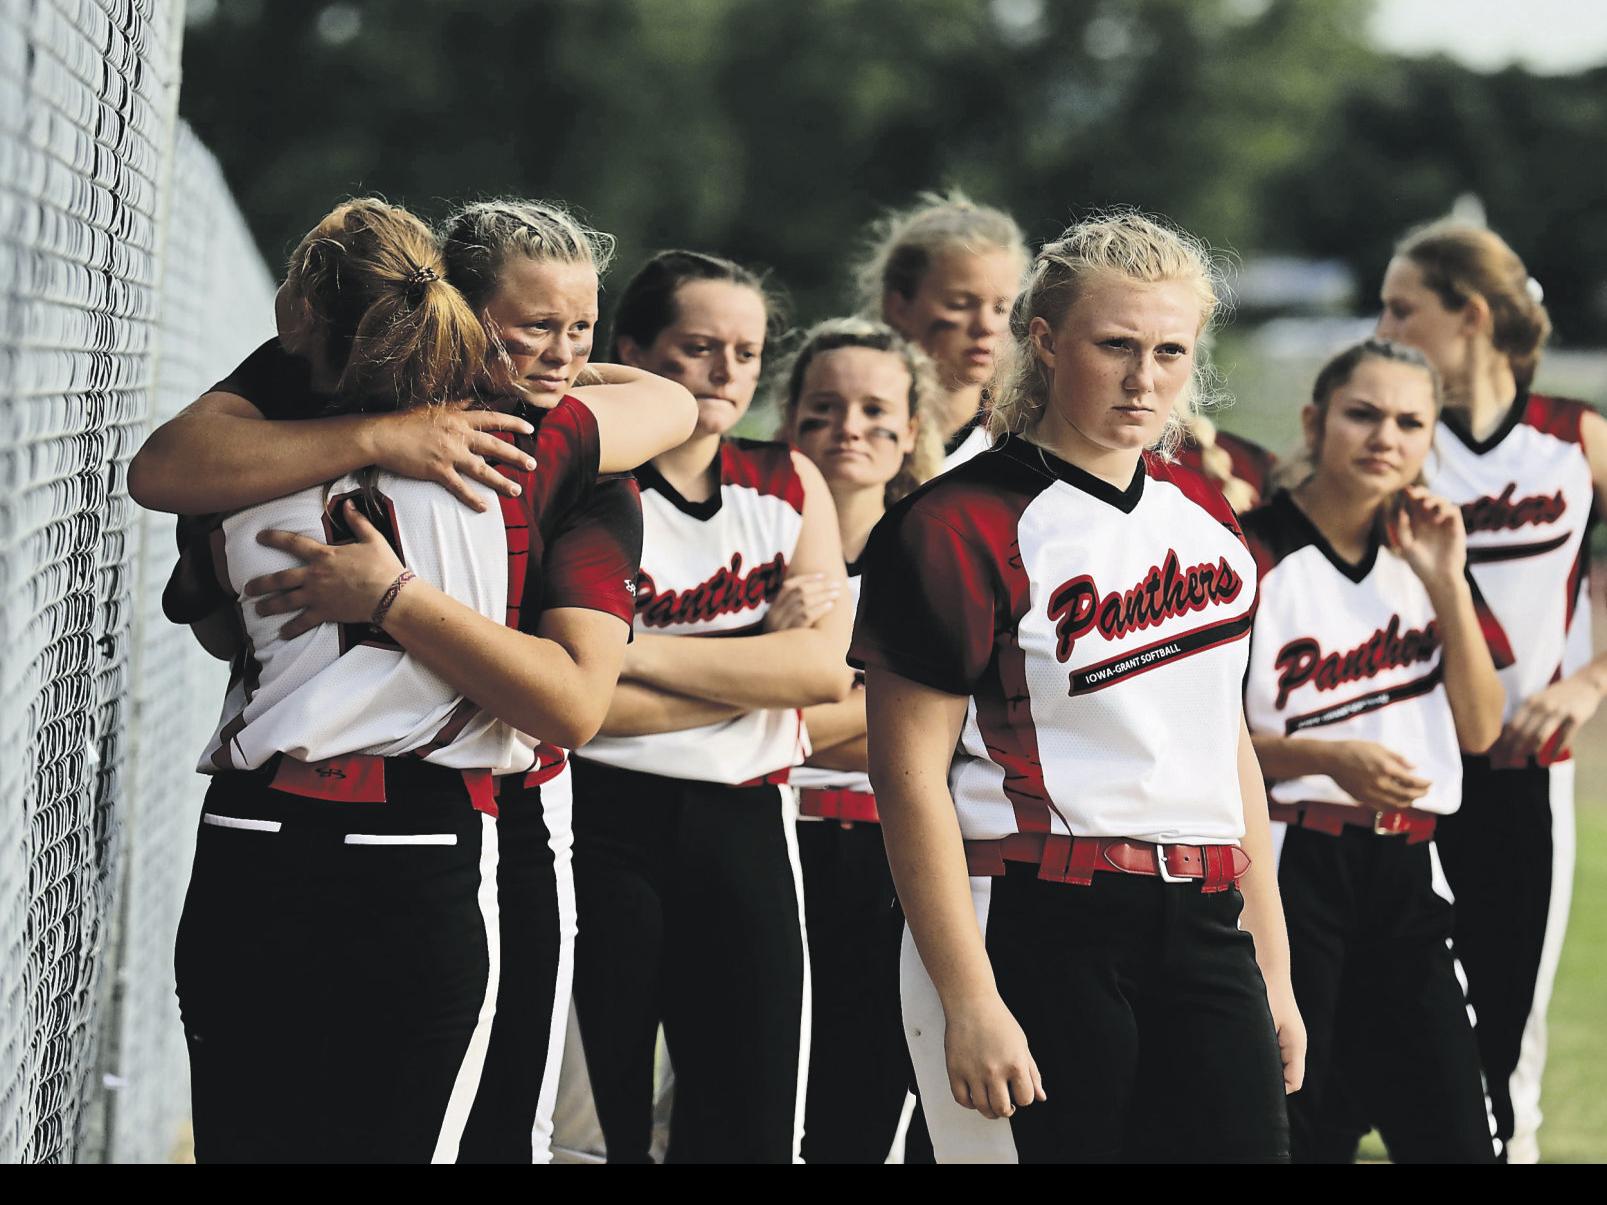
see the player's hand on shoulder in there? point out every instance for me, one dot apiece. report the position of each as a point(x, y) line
point(1375, 776)
point(1427, 532)
point(802, 601)
point(336, 583)
point(990, 1068)
point(451, 445)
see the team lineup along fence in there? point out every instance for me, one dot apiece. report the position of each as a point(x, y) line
point(128, 283)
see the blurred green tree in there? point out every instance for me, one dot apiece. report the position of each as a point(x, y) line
point(1400, 149)
point(769, 129)
point(773, 130)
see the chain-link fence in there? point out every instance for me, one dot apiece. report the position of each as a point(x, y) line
point(127, 284)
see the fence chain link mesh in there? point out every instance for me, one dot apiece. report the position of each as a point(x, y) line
point(127, 284)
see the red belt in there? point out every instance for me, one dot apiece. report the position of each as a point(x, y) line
point(838, 805)
point(361, 778)
point(1063, 859)
point(1334, 818)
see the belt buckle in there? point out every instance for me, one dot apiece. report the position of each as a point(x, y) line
point(1160, 865)
point(1382, 818)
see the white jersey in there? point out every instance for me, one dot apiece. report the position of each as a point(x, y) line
point(970, 440)
point(1098, 634)
point(344, 689)
point(1527, 501)
point(816, 778)
point(713, 569)
point(1346, 652)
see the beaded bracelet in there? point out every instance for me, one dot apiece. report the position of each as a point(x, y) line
point(383, 607)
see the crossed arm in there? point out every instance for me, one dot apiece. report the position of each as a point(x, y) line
point(672, 683)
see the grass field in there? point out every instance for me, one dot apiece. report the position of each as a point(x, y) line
point(1574, 1102)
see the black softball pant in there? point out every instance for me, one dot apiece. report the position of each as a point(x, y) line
point(1509, 857)
point(859, 1072)
point(337, 967)
point(690, 915)
point(512, 1117)
point(1145, 1011)
point(1387, 1021)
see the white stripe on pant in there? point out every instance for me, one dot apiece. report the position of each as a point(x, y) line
point(468, 1078)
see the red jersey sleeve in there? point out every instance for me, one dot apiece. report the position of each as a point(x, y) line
point(593, 559)
point(566, 451)
point(928, 605)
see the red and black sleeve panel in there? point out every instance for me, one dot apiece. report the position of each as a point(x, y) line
point(764, 467)
point(1562, 418)
point(936, 577)
point(564, 446)
point(592, 560)
point(1197, 488)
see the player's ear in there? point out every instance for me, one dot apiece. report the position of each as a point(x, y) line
point(896, 309)
point(630, 351)
point(1042, 339)
point(1311, 428)
point(1476, 317)
point(906, 443)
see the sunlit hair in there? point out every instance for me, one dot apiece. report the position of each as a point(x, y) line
point(1126, 245)
point(480, 239)
point(901, 245)
point(647, 307)
point(1458, 261)
point(1334, 376)
point(921, 462)
point(377, 296)
point(1216, 463)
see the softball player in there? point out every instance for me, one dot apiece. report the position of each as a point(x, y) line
point(856, 403)
point(1527, 471)
point(943, 274)
point(573, 545)
point(1368, 676)
point(363, 905)
point(1053, 637)
point(685, 853)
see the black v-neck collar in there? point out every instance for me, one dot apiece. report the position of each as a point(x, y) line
point(1356, 571)
point(649, 478)
point(1038, 458)
point(1454, 424)
point(952, 444)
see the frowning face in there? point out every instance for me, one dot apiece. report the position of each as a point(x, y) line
point(960, 312)
point(853, 416)
point(546, 313)
point(715, 347)
point(1118, 364)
